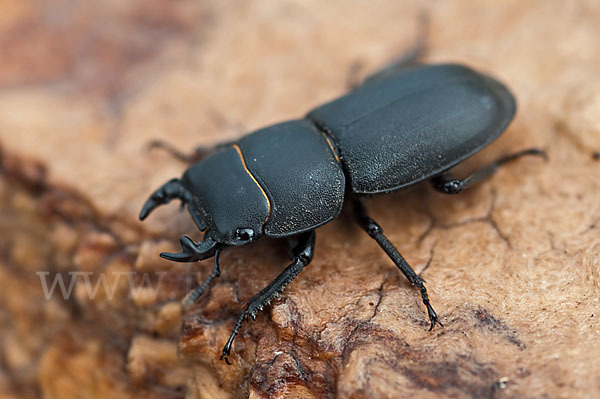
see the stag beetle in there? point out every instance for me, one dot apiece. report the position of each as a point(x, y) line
point(400, 127)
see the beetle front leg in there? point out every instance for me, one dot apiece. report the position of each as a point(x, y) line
point(447, 184)
point(303, 252)
point(376, 232)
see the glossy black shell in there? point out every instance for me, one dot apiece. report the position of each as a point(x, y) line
point(402, 128)
point(296, 165)
point(399, 128)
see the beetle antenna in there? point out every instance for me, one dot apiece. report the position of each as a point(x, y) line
point(168, 191)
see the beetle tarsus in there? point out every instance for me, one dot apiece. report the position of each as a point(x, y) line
point(168, 191)
point(303, 253)
point(227, 348)
point(433, 318)
point(376, 232)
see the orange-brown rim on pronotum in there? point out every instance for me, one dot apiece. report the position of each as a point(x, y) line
point(239, 151)
point(328, 141)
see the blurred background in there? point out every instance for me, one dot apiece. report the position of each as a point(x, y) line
point(513, 265)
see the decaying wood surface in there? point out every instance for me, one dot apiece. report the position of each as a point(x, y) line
point(511, 265)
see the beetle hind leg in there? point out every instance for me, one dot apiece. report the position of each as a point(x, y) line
point(448, 184)
point(376, 232)
point(411, 58)
point(302, 252)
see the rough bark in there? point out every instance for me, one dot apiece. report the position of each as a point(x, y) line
point(511, 264)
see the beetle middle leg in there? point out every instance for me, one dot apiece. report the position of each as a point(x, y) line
point(194, 294)
point(301, 254)
point(447, 184)
point(376, 233)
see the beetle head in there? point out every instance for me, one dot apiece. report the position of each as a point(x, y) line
point(192, 252)
point(223, 198)
point(226, 200)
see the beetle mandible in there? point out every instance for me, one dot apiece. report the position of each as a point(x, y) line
point(402, 126)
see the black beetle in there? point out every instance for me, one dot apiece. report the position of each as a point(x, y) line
point(402, 126)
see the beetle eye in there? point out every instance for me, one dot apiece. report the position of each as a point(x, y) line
point(244, 234)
